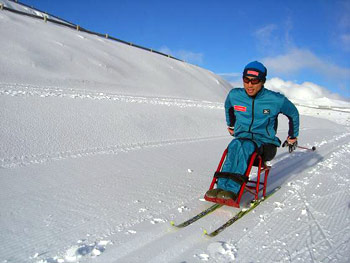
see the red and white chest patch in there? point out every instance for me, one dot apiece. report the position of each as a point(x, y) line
point(240, 108)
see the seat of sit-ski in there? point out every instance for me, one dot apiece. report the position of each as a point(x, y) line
point(253, 187)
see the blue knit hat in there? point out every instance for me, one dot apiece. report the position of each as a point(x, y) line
point(255, 69)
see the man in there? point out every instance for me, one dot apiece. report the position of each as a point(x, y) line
point(252, 116)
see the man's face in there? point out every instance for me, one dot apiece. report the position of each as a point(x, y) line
point(250, 88)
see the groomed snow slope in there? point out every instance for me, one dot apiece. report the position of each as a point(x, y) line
point(102, 144)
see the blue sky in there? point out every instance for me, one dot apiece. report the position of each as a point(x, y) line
point(298, 41)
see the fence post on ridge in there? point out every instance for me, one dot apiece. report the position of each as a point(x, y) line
point(57, 20)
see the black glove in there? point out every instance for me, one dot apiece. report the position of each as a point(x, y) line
point(292, 146)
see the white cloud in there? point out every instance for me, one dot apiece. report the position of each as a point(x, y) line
point(345, 41)
point(307, 91)
point(186, 55)
point(267, 38)
point(273, 38)
point(192, 57)
point(265, 31)
point(343, 15)
point(165, 50)
point(298, 59)
point(342, 26)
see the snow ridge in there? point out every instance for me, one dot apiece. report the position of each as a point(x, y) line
point(43, 92)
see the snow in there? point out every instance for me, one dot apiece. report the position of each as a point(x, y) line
point(103, 144)
point(30, 10)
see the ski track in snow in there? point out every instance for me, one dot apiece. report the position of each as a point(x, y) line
point(141, 242)
point(227, 251)
point(44, 92)
point(323, 231)
point(25, 160)
point(25, 90)
point(320, 215)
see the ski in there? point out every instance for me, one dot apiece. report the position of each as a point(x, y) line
point(196, 217)
point(240, 214)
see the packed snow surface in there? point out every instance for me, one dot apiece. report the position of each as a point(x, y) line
point(103, 144)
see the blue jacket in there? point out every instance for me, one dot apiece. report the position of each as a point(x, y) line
point(256, 117)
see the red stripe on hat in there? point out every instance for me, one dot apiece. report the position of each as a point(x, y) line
point(252, 72)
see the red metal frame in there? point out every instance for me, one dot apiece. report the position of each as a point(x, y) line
point(252, 187)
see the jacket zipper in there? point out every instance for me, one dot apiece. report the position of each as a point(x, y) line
point(251, 124)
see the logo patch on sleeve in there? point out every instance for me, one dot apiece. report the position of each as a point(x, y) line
point(266, 111)
point(240, 108)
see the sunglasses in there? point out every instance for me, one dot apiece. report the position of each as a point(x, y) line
point(253, 81)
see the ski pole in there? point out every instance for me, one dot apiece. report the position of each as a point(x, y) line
point(313, 148)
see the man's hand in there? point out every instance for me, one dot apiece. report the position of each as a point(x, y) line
point(292, 143)
point(231, 130)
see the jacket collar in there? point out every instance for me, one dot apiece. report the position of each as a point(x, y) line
point(260, 92)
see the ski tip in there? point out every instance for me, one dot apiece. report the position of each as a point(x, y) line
point(172, 223)
point(206, 234)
